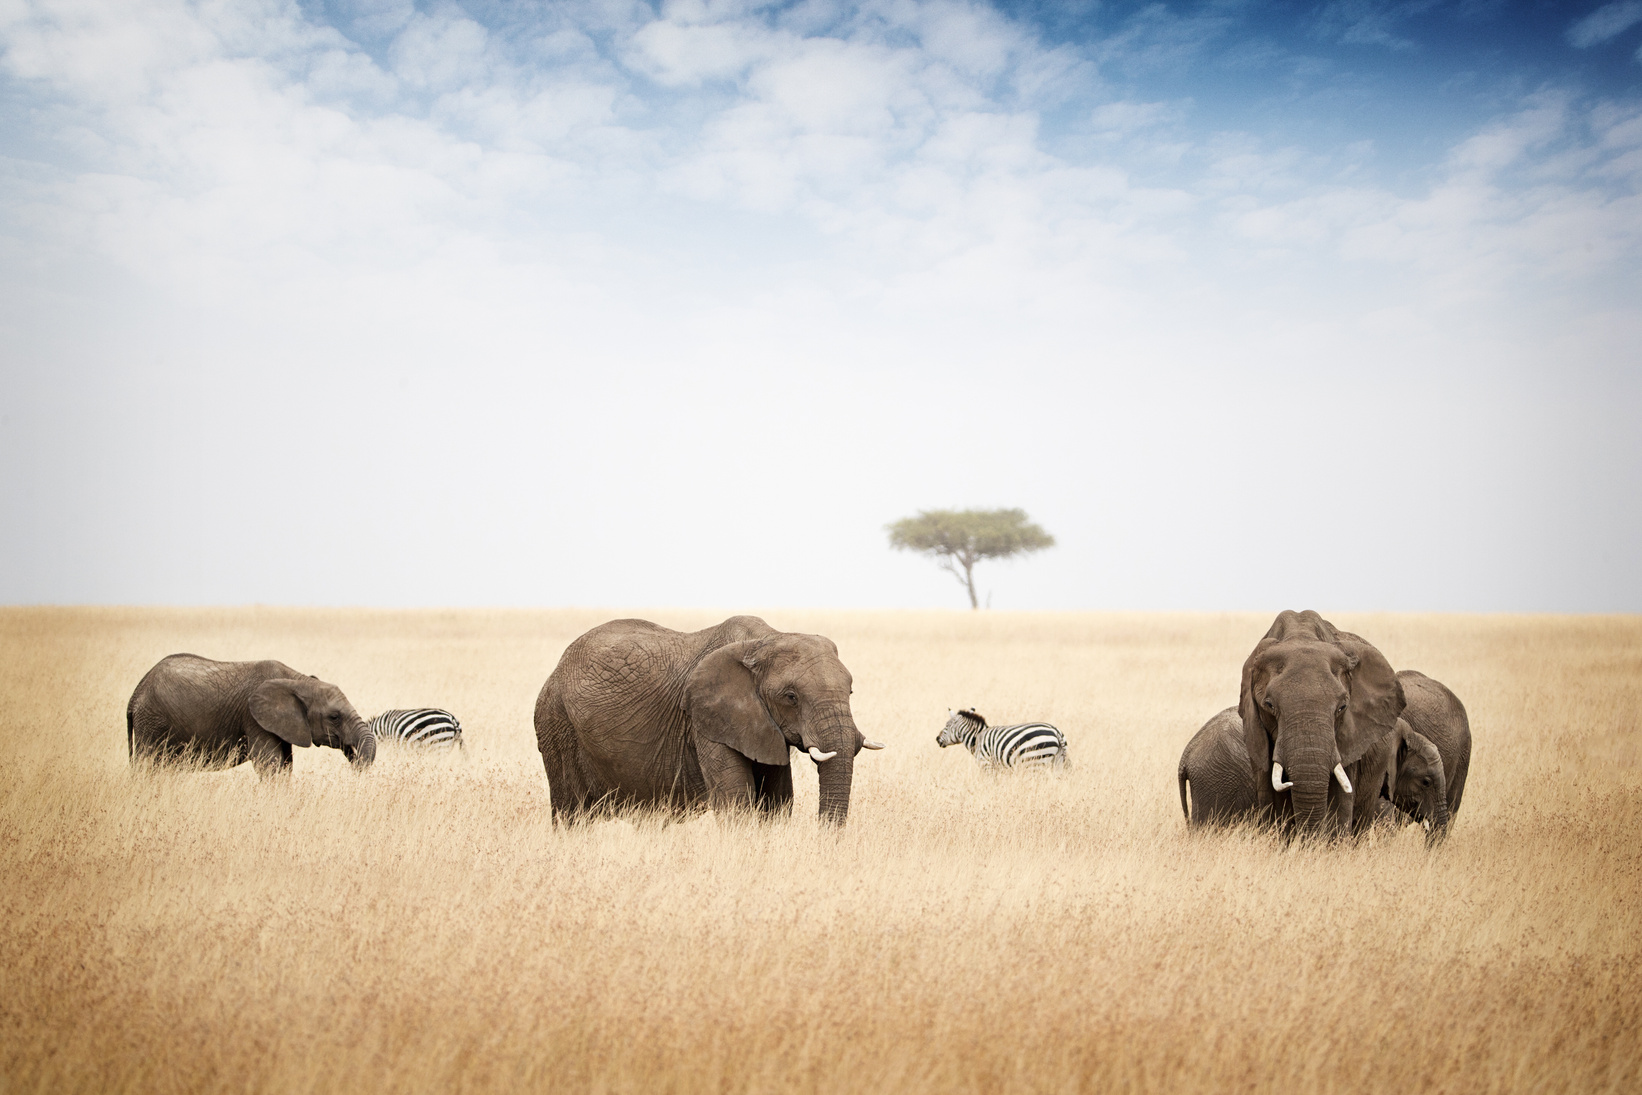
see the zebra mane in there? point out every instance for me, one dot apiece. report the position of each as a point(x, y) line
point(972, 715)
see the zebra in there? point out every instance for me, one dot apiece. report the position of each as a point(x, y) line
point(425, 727)
point(1022, 745)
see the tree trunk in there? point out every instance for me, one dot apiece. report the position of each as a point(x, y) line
point(969, 584)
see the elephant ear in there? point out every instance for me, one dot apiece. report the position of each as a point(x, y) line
point(1376, 698)
point(1417, 743)
point(1255, 738)
point(281, 707)
point(721, 699)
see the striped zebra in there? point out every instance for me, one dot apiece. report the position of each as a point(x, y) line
point(425, 727)
point(1021, 745)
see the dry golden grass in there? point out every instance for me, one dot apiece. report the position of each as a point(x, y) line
point(424, 928)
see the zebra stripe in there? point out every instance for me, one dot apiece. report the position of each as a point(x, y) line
point(425, 727)
point(1018, 745)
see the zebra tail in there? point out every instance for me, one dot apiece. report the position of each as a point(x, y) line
point(1182, 777)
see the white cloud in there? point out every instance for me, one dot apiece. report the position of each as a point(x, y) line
point(1368, 22)
point(609, 239)
point(1124, 117)
point(1608, 21)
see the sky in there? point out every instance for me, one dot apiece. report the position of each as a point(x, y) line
point(1252, 305)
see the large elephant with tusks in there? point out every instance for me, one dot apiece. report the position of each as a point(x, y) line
point(636, 714)
point(1314, 700)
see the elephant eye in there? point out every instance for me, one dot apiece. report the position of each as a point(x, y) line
point(1266, 703)
point(790, 696)
point(335, 716)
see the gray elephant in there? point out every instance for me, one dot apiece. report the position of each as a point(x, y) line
point(1405, 771)
point(221, 714)
point(1401, 779)
point(1313, 701)
point(1215, 765)
point(1438, 717)
point(636, 714)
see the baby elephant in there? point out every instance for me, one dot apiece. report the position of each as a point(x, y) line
point(1215, 765)
point(1021, 745)
point(221, 714)
point(424, 727)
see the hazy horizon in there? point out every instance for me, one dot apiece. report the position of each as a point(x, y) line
point(1252, 305)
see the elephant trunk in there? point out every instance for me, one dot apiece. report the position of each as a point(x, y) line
point(361, 751)
point(835, 777)
point(1438, 813)
point(1309, 796)
point(1311, 771)
point(1306, 752)
point(836, 734)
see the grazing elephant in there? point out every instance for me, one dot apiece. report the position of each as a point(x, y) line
point(1402, 770)
point(1313, 701)
point(1216, 766)
point(636, 714)
point(221, 714)
point(1438, 716)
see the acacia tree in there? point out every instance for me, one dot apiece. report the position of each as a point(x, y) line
point(958, 539)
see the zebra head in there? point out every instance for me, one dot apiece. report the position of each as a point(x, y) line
point(961, 728)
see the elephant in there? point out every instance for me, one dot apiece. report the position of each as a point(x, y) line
point(1314, 700)
point(636, 714)
point(1405, 769)
point(1216, 766)
point(1403, 772)
point(221, 714)
point(1438, 716)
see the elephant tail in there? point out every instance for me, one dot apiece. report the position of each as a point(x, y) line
point(1183, 779)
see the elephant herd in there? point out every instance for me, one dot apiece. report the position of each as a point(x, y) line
point(637, 715)
point(1345, 740)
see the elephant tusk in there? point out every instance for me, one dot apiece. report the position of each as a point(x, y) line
point(1340, 774)
point(868, 743)
point(1277, 783)
point(819, 756)
point(1426, 824)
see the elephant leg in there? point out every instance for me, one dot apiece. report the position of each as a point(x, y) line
point(774, 783)
point(1341, 808)
point(570, 794)
point(270, 755)
point(731, 780)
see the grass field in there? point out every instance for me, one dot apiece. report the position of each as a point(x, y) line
point(423, 927)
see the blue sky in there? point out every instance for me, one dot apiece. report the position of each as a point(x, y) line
point(1253, 305)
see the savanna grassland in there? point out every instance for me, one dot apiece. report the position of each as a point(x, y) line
point(423, 927)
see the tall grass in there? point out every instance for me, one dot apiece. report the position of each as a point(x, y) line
point(423, 927)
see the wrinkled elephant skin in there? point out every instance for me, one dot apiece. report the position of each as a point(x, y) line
point(1215, 766)
point(1313, 701)
point(636, 714)
point(221, 714)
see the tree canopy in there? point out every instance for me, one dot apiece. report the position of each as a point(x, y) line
point(958, 539)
